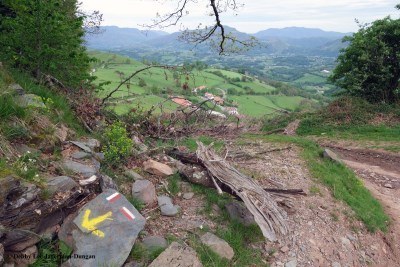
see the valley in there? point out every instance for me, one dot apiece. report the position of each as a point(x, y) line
point(251, 96)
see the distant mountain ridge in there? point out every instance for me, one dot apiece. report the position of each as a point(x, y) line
point(113, 36)
point(299, 33)
point(290, 40)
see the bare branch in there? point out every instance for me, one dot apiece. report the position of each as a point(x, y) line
point(131, 76)
point(223, 41)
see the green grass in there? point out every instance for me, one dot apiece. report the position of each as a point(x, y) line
point(141, 254)
point(343, 182)
point(164, 82)
point(310, 78)
point(191, 144)
point(137, 203)
point(286, 102)
point(51, 254)
point(345, 118)
point(146, 102)
point(64, 112)
point(255, 106)
point(238, 236)
point(173, 184)
point(350, 132)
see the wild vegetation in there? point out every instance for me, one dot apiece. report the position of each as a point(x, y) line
point(77, 124)
point(369, 67)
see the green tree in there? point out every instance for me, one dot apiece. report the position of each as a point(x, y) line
point(370, 66)
point(45, 37)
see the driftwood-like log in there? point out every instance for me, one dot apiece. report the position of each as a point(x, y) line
point(268, 215)
point(286, 191)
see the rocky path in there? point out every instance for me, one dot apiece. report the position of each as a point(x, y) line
point(324, 231)
point(380, 172)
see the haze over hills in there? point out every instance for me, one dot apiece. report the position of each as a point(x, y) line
point(286, 41)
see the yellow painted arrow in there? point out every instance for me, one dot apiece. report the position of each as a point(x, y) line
point(91, 224)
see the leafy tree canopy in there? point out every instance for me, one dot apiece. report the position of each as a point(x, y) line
point(370, 66)
point(44, 37)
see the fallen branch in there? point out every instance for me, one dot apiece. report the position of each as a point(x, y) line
point(275, 131)
point(286, 191)
point(268, 215)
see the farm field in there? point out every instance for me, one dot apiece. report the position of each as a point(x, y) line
point(152, 86)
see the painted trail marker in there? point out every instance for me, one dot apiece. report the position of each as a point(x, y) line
point(128, 214)
point(107, 226)
point(114, 197)
point(91, 224)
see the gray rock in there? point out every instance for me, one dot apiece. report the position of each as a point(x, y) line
point(152, 243)
point(61, 184)
point(292, 263)
point(218, 245)
point(329, 154)
point(100, 156)
point(139, 144)
point(106, 182)
point(177, 255)
point(238, 211)
point(166, 206)
point(82, 146)
point(27, 193)
point(23, 258)
point(8, 185)
point(16, 88)
point(91, 143)
point(336, 264)
point(133, 175)
point(79, 168)
point(30, 100)
point(106, 227)
point(188, 196)
point(23, 149)
point(81, 155)
point(145, 191)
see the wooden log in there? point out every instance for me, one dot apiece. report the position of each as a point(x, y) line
point(268, 215)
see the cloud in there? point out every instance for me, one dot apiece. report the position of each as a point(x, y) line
point(255, 15)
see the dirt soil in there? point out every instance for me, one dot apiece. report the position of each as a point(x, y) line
point(380, 172)
point(323, 230)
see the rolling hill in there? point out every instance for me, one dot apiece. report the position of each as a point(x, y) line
point(159, 84)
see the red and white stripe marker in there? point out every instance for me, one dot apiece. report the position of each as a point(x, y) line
point(128, 214)
point(114, 197)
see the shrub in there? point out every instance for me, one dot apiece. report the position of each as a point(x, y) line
point(118, 144)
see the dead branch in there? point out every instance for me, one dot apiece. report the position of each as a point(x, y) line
point(201, 35)
point(275, 131)
point(267, 214)
point(130, 77)
point(262, 204)
point(286, 191)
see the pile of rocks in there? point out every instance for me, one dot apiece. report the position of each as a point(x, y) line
point(87, 212)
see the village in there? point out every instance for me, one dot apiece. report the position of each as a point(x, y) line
point(218, 101)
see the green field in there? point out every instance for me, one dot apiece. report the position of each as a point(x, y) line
point(254, 105)
point(161, 82)
point(311, 79)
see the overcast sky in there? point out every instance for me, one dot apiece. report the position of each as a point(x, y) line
point(255, 15)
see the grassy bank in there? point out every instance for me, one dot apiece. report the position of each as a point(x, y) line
point(343, 183)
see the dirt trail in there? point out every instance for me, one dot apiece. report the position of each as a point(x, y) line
point(324, 231)
point(380, 172)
